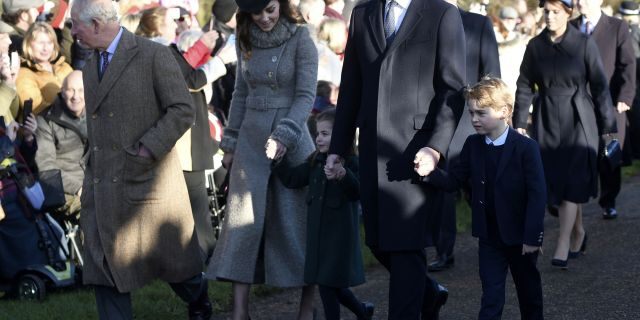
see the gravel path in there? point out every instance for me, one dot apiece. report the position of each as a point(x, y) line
point(601, 285)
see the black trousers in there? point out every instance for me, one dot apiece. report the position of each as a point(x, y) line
point(447, 237)
point(200, 207)
point(610, 183)
point(410, 289)
point(495, 259)
point(115, 305)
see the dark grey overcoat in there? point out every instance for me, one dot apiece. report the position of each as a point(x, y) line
point(403, 96)
point(136, 214)
point(572, 108)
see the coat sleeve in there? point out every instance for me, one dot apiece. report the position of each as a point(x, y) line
point(350, 184)
point(27, 88)
point(293, 177)
point(237, 109)
point(449, 79)
point(623, 82)
point(8, 103)
point(536, 194)
point(290, 128)
point(344, 126)
point(525, 89)
point(489, 57)
point(599, 86)
point(457, 176)
point(175, 102)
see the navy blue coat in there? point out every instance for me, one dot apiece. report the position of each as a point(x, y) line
point(403, 96)
point(520, 190)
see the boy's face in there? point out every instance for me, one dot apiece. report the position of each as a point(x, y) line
point(487, 120)
point(323, 139)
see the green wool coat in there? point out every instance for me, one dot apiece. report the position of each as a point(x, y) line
point(333, 258)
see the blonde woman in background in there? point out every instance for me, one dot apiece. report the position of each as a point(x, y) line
point(43, 69)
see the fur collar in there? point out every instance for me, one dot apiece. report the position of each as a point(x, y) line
point(281, 32)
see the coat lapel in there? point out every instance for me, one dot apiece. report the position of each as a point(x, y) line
point(376, 24)
point(507, 152)
point(411, 19)
point(126, 50)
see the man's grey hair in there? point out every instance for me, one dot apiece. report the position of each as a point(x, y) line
point(100, 10)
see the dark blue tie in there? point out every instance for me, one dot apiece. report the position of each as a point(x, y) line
point(105, 63)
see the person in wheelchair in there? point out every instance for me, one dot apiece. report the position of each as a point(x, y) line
point(17, 154)
point(62, 139)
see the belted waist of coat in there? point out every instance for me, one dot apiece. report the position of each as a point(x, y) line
point(265, 103)
point(559, 91)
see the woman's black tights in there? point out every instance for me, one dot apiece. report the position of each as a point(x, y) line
point(332, 298)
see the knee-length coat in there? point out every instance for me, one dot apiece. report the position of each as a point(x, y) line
point(572, 109)
point(263, 235)
point(136, 214)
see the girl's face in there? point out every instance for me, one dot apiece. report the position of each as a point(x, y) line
point(323, 139)
point(268, 17)
point(168, 28)
point(41, 47)
point(555, 16)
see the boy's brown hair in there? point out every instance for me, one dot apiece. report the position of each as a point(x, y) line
point(490, 92)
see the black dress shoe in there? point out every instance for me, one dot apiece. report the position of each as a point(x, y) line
point(583, 248)
point(200, 310)
point(562, 264)
point(609, 214)
point(368, 309)
point(440, 300)
point(442, 263)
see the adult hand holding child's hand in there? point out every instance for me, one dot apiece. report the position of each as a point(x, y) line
point(426, 161)
point(275, 149)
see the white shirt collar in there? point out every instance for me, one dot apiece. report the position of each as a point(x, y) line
point(500, 140)
point(594, 21)
point(402, 3)
point(114, 44)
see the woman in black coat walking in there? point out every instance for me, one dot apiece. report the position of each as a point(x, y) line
point(572, 109)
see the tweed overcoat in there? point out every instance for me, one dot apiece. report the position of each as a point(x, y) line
point(403, 96)
point(136, 214)
point(263, 235)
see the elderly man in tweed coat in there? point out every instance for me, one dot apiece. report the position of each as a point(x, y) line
point(136, 215)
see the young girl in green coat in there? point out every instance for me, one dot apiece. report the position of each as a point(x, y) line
point(333, 258)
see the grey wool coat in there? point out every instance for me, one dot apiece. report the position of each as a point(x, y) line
point(263, 235)
point(136, 214)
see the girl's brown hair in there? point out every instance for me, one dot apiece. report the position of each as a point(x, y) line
point(151, 22)
point(245, 20)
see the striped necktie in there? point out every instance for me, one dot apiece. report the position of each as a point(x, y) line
point(390, 19)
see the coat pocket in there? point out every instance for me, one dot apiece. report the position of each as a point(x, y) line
point(139, 174)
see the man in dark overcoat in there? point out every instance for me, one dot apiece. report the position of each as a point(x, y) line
point(482, 60)
point(618, 59)
point(136, 214)
point(403, 70)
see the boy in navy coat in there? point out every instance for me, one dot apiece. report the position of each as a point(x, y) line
point(508, 192)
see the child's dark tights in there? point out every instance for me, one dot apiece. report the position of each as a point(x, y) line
point(332, 298)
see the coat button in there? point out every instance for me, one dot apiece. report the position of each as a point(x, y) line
point(270, 74)
point(96, 180)
point(110, 114)
point(274, 59)
point(114, 147)
point(114, 180)
point(481, 202)
point(94, 116)
point(96, 148)
point(482, 182)
point(273, 87)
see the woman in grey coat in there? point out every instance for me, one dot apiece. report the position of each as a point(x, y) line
point(263, 236)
